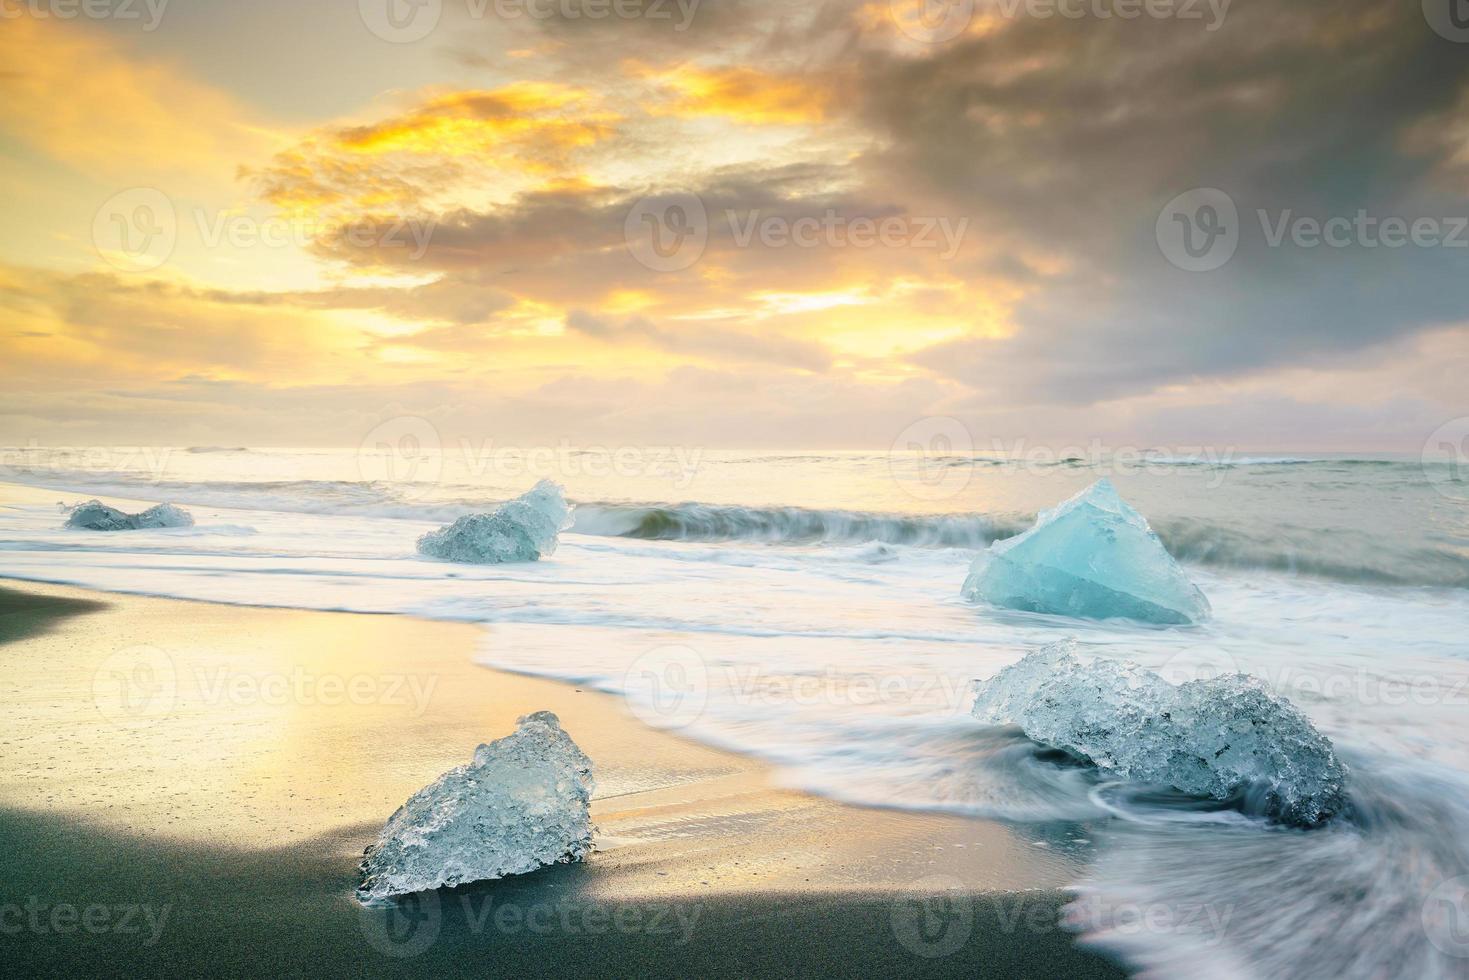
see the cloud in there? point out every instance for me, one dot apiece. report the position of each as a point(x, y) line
point(1067, 139)
point(739, 93)
point(92, 104)
point(447, 142)
point(1056, 141)
point(702, 339)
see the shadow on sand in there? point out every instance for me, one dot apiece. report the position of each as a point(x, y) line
point(82, 902)
point(24, 614)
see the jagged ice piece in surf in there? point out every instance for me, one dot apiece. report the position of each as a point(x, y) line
point(97, 516)
point(1092, 557)
point(522, 803)
point(523, 529)
point(1227, 737)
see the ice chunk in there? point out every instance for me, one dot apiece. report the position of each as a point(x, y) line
point(522, 803)
point(1225, 737)
point(1092, 556)
point(523, 529)
point(97, 516)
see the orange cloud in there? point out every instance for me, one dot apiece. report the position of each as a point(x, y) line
point(83, 100)
point(473, 121)
point(738, 93)
point(521, 134)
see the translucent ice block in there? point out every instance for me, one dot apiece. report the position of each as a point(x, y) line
point(523, 529)
point(1226, 738)
point(1093, 557)
point(97, 516)
point(523, 802)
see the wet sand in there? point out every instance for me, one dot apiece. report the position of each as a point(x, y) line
point(187, 788)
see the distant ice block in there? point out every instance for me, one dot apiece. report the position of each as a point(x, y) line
point(97, 516)
point(1224, 737)
point(522, 803)
point(1092, 556)
point(523, 529)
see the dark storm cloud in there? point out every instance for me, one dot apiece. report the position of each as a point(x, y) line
point(1069, 137)
point(1060, 141)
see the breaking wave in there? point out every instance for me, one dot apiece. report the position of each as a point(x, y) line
point(788, 525)
point(1248, 533)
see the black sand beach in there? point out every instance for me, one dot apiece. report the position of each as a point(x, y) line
point(208, 819)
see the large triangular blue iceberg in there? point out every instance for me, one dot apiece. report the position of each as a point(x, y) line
point(1093, 557)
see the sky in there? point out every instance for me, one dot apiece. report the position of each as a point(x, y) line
point(734, 223)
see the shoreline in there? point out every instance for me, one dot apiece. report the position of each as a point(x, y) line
point(231, 762)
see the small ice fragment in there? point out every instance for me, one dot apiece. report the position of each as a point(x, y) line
point(97, 516)
point(523, 802)
point(1223, 738)
point(523, 529)
point(1093, 557)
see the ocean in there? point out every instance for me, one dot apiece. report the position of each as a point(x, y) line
point(804, 607)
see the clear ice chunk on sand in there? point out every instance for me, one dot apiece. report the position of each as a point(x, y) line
point(522, 803)
point(523, 529)
point(1224, 738)
point(97, 516)
point(1092, 557)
